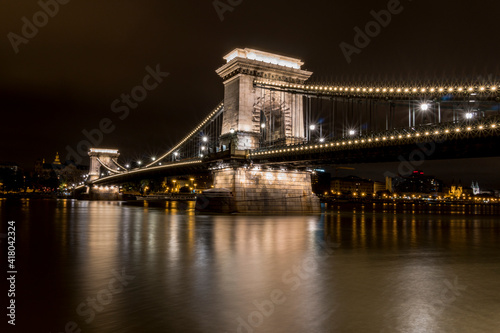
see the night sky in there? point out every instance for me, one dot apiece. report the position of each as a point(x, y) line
point(65, 78)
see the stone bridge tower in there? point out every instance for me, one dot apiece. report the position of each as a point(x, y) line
point(255, 116)
point(105, 157)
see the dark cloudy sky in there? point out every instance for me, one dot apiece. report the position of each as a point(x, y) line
point(66, 77)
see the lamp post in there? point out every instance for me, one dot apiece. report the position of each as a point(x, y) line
point(425, 106)
point(262, 133)
point(311, 128)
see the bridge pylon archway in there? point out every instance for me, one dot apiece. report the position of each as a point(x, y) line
point(252, 115)
point(108, 158)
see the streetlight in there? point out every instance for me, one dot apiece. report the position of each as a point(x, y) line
point(311, 128)
point(321, 139)
point(231, 131)
point(204, 139)
point(352, 132)
point(139, 162)
point(263, 125)
point(469, 115)
point(127, 166)
point(424, 106)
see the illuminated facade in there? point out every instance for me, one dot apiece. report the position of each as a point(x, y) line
point(456, 191)
point(351, 185)
point(256, 190)
point(107, 158)
point(253, 116)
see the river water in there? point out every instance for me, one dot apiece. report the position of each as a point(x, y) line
point(110, 267)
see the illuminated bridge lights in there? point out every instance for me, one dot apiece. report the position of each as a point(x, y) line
point(138, 171)
point(191, 134)
point(336, 144)
point(351, 144)
point(376, 90)
point(103, 151)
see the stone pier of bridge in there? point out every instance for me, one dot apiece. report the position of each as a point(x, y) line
point(265, 191)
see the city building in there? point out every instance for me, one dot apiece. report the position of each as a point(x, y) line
point(475, 188)
point(55, 174)
point(11, 177)
point(9, 165)
point(320, 181)
point(456, 191)
point(417, 182)
point(352, 185)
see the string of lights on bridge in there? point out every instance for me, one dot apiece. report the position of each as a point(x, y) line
point(400, 91)
point(178, 164)
point(189, 136)
point(386, 90)
point(387, 137)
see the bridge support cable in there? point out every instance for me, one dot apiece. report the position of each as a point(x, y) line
point(118, 164)
point(456, 135)
point(120, 177)
point(191, 142)
point(356, 112)
point(108, 168)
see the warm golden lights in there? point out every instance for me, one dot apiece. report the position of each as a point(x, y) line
point(397, 138)
point(374, 89)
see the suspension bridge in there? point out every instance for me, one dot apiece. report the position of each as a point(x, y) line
point(273, 126)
